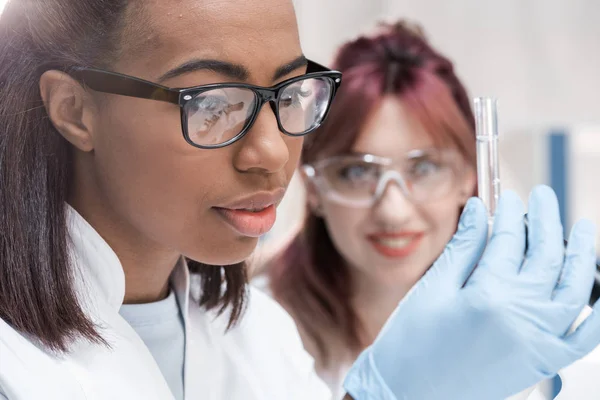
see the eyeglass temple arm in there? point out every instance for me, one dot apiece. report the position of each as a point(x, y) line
point(113, 83)
point(316, 67)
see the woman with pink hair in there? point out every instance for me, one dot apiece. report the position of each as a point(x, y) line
point(387, 177)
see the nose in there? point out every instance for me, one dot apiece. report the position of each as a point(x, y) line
point(393, 207)
point(263, 148)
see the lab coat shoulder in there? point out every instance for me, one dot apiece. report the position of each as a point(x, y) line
point(580, 380)
point(122, 370)
point(262, 357)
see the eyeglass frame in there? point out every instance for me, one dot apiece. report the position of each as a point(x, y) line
point(125, 85)
point(312, 172)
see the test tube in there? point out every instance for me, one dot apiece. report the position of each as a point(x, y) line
point(486, 131)
point(488, 176)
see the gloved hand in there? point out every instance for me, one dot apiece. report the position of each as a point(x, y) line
point(497, 331)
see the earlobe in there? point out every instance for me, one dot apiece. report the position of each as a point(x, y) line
point(66, 104)
point(314, 203)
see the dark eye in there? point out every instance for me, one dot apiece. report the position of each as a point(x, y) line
point(209, 104)
point(293, 97)
point(423, 168)
point(356, 172)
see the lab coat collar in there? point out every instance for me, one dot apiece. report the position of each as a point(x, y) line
point(100, 280)
point(99, 272)
point(180, 282)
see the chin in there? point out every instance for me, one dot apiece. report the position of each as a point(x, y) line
point(230, 253)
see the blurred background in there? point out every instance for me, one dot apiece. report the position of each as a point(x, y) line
point(539, 58)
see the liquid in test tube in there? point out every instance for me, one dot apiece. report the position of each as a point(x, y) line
point(486, 130)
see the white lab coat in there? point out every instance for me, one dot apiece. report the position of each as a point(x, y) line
point(261, 359)
point(579, 381)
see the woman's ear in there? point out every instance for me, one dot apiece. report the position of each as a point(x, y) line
point(313, 196)
point(68, 107)
point(468, 185)
point(314, 200)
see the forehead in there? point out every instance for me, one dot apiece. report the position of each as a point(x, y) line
point(391, 130)
point(259, 34)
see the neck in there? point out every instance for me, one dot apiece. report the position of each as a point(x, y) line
point(374, 302)
point(147, 277)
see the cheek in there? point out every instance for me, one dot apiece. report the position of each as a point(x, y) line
point(294, 145)
point(443, 217)
point(158, 183)
point(142, 155)
point(344, 227)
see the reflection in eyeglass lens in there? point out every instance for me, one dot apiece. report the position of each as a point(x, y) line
point(217, 116)
point(302, 104)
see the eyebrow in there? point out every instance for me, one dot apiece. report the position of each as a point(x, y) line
point(231, 70)
point(353, 152)
point(290, 67)
point(234, 71)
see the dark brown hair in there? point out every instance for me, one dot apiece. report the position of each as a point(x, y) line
point(311, 278)
point(37, 294)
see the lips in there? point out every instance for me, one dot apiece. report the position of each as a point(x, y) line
point(395, 245)
point(254, 215)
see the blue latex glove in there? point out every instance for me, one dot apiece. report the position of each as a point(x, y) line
point(496, 332)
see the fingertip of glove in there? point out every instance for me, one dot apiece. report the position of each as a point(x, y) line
point(473, 212)
point(542, 193)
point(510, 199)
point(585, 227)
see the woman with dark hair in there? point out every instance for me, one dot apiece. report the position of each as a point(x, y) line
point(144, 146)
point(387, 176)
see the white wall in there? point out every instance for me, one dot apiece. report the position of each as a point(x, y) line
point(584, 176)
point(541, 58)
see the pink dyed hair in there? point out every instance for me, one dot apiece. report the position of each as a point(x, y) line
point(310, 278)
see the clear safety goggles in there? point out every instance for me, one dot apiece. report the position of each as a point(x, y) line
point(360, 180)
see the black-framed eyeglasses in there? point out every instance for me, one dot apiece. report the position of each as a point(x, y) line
point(217, 115)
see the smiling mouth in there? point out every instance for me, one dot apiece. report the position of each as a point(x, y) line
point(396, 243)
point(395, 246)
